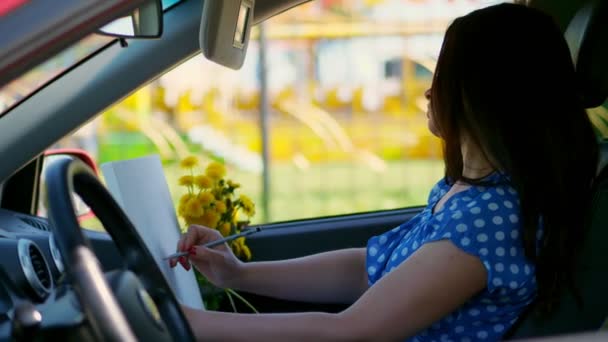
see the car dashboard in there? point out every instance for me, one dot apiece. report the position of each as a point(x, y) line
point(32, 275)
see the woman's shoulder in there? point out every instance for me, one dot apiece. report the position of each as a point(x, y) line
point(485, 222)
point(439, 189)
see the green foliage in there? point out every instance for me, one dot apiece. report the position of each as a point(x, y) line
point(212, 296)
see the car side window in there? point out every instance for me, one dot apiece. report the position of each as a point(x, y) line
point(347, 117)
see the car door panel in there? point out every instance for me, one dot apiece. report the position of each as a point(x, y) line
point(303, 237)
point(299, 238)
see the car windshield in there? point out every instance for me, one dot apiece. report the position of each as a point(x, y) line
point(19, 89)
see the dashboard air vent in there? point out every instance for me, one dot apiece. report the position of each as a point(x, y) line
point(34, 268)
point(35, 223)
point(40, 267)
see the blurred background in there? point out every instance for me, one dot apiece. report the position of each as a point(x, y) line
point(327, 116)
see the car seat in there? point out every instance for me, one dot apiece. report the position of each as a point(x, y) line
point(587, 36)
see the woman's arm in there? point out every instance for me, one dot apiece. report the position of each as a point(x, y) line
point(431, 283)
point(331, 277)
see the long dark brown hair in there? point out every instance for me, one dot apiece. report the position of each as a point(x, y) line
point(505, 79)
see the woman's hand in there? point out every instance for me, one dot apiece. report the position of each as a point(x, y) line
point(219, 265)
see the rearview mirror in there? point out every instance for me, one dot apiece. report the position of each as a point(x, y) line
point(146, 21)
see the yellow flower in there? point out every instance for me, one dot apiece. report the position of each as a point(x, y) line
point(240, 241)
point(246, 252)
point(186, 180)
point(189, 162)
point(248, 206)
point(236, 248)
point(203, 182)
point(185, 198)
point(215, 171)
point(194, 220)
point(216, 205)
point(220, 207)
point(194, 208)
point(210, 219)
point(181, 207)
point(181, 210)
point(205, 198)
point(225, 229)
point(246, 200)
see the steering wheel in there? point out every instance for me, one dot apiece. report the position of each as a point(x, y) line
point(138, 291)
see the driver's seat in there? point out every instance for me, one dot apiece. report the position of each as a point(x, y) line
point(587, 36)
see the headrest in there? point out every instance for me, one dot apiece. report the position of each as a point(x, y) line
point(587, 37)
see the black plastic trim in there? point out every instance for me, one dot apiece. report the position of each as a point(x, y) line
point(298, 238)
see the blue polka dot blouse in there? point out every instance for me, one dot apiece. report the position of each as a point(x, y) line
point(482, 221)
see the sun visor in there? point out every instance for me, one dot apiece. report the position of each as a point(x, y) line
point(587, 37)
point(225, 31)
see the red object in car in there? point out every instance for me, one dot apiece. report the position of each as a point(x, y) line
point(76, 152)
point(85, 157)
point(7, 6)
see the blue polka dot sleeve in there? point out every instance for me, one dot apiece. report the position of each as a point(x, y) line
point(487, 225)
point(436, 191)
point(484, 222)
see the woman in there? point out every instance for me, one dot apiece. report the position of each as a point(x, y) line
point(500, 230)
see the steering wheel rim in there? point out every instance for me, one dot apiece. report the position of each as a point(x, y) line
point(68, 176)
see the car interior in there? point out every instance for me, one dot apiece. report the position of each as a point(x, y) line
point(52, 270)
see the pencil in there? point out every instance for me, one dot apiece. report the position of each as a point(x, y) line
point(217, 242)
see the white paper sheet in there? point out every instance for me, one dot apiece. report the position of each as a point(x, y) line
point(140, 187)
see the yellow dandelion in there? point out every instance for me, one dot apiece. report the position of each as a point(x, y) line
point(225, 229)
point(195, 220)
point(194, 208)
point(220, 207)
point(205, 198)
point(181, 207)
point(246, 200)
point(185, 198)
point(181, 210)
point(247, 205)
point(186, 181)
point(215, 171)
point(236, 249)
point(189, 162)
point(246, 252)
point(198, 201)
point(203, 182)
point(233, 185)
point(211, 219)
point(249, 211)
point(214, 174)
point(240, 241)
